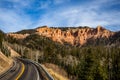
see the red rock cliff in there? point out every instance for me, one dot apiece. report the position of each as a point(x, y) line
point(74, 36)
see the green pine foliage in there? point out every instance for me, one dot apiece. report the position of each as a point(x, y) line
point(5, 50)
point(1, 38)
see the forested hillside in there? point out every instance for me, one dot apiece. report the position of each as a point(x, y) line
point(91, 62)
point(5, 60)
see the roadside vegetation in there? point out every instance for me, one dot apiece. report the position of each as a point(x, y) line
point(3, 47)
point(5, 60)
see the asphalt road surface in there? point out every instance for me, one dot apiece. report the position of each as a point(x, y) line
point(22, 70)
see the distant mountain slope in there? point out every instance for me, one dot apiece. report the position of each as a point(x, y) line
point(83, 52)
point(79, 36)
point(29, 31)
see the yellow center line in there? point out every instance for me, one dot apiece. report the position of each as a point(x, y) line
point(23, 68)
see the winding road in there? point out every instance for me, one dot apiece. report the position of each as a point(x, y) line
point(25, 70)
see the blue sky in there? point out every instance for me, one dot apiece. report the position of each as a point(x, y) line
point(24, 14)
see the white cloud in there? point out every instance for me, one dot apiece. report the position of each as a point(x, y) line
point(83, 15)
point(44, 4)
point(15, 18)
point(89, 14)
point(13, 21)
point(48, 3)
point(21, 3)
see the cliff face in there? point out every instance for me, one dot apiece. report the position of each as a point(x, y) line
point(74, 36)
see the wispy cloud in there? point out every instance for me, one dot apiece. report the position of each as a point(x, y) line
point(13, 21)
point(82, 15)
point(13, 18)
point(21, 14)
point(44, 4)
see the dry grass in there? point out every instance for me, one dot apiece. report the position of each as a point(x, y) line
point(5, 63)
point(13, 52)
point(55, 71)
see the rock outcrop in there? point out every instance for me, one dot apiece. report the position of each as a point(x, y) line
point(74, 36)
point(18, 36)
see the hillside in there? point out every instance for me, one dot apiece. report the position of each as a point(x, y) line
point(96, 56)
point(5, 62)
point(6, 54)
point(80, 36)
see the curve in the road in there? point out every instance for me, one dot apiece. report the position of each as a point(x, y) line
point(26, 70)
point(30, 72)
point(23, 68)
point(13, 72)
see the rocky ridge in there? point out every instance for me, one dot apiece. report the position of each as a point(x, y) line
point(73, 36)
